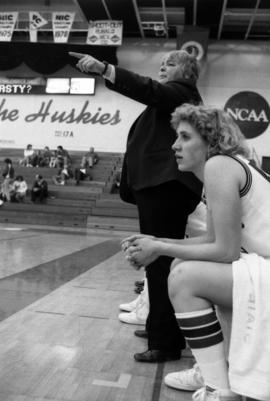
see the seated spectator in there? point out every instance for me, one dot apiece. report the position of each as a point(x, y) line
point(84, 171)
point(53, 159)
point(18, 189)
point(8, 175)
point(44, 157)
point(62, 157)
point(30, 157)
point(64, 174)
point(91, 157)
point(39, 189)
point(116, 182)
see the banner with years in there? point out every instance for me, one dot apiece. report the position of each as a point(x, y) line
point(62, 22)
point(7, 25)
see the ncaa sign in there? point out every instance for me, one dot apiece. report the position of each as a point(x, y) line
point(250, 111)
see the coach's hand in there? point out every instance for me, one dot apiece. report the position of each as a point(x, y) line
point(88, 64)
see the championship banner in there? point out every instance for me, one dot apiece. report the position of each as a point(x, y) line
point(7, 24)
point(35, 21)
point(105, 32)
point(62, 22)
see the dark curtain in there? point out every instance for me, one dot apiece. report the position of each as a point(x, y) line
point(47, 58)
point(10, 56)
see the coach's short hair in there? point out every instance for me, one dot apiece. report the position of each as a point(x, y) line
point(215, 126)
point(188, 64)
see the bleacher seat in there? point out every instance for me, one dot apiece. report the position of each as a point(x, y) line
point(70, 205)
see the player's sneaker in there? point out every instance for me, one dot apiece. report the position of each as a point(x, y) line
point(139, 314)
point(131, 318)
point(188, 379)
point(130, 306)
point(205, 394)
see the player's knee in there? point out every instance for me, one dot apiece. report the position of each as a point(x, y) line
point(181, 281)
point(177, 281)
point(175, 263)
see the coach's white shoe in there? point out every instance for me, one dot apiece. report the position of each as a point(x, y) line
point(187, 380)
point(129, 307)
point(217, 395)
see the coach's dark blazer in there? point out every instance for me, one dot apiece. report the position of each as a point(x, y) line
point(149, 159)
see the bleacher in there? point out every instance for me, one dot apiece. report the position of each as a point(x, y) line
point(109, 212)
point(88, 205)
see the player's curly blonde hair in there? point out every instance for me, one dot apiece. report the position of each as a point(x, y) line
point(215, 126)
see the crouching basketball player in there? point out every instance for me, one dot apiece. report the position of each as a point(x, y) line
point(229, 266)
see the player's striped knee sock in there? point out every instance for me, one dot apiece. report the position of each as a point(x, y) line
point(203, 333)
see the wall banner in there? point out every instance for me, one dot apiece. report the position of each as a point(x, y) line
point(105, 32)
point(62, 22)
point(7, 25)
point(35, 21)
point(250, 111)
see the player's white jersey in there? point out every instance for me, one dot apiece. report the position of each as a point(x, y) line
point(255, 200)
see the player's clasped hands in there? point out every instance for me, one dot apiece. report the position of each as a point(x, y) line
point(87, 63)
point(139, 250)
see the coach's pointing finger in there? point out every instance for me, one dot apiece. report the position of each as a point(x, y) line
point(88, 64)
point(77, 55)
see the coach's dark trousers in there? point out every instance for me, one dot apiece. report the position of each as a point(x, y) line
point(163, 212)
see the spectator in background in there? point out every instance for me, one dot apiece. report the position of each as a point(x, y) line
point(44, 157)
point(64, 174)
point(18, 189)
point(8, 175)
point(53, 159)
point(30, 157)
point(116, 182)
point(62, 157)
point(91, 157)
point(39, 189)
point(87, 162)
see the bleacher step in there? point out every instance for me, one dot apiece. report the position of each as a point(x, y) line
point(30, 208)
point(71, 202)
point(115, 211)
point(114, 203)
point(68, 220)
point(113, 223)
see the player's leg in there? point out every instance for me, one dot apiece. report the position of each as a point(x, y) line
point(194, 287)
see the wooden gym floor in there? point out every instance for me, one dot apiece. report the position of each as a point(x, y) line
point(60, 337)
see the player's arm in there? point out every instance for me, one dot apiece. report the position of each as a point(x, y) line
point(222, 181)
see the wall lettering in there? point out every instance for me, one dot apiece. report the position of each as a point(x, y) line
point(250, 111)
point(64, 134)
point(5, 114)
point(46, 113)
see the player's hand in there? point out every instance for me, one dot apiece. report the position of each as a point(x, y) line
point(134, 237)
point(87, 63)
point(143, 251)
